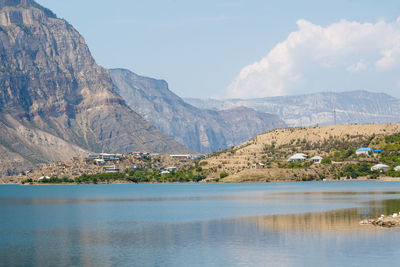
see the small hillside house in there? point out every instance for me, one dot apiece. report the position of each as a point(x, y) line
point(364, 151)
point(380, 167)
point(99, 161)
point(397, 169)
point(317, 159)
point(259, 165)
point(111, 169)
point(172, 169)
point(298, 157)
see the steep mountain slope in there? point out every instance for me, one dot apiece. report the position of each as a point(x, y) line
point(51, 86)
point(306, 110)
point(201, 130)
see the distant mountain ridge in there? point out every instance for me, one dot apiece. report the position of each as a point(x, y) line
point(319, 108)
point(55, 101)
point(199, 129)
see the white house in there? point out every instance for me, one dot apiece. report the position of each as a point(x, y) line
point(164, 172)
point(111, 169)
point(298, 157)
point(180, 156)
point(380, 167)
point(397, 168)
point(44, 177)
point(100, 161)
point(317, 159)
point(259, 165)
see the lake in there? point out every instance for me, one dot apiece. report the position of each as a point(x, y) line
point(271, 224)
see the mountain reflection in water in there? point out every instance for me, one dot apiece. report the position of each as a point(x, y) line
point(232, 227)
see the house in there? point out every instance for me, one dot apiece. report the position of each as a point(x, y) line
point(44, 177)
point(172, 169)
point(164, 172)
point(181, 156)
point(317, 159)
point(298, 157)
point(110, 157)
point(99, 161)
point(364, 151)
point(380, 167)
point(397, 169)
point(134, 167)
point(259, 165)
point(111, 169)
point(140, 154)
point(198, 156)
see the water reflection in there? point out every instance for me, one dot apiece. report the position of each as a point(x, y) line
point(244, 196)
point(138, 231)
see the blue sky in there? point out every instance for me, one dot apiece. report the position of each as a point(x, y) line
point(201, 47)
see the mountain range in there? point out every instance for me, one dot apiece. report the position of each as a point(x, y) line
point(325, 108)
point(199, 129)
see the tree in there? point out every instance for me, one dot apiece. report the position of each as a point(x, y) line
point(222, 175)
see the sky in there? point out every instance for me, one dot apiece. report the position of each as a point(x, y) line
point(245, 48)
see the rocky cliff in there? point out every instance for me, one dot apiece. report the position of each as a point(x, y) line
point(52, 91)
point(312, 109)
point(199, 129)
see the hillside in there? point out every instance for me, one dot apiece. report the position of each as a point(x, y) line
point(318, 109)
point(262, 159)
point(265, 158)
point(55, 101)
point(201, 130)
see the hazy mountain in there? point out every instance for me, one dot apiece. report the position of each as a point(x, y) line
point(199, 129)
point(55, 101)
point(306, 110)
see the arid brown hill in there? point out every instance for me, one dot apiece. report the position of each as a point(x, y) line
point(264, 158)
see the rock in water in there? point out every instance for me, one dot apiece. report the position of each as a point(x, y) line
point(389, 221)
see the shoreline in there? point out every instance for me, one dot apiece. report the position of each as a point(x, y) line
point(362, 179)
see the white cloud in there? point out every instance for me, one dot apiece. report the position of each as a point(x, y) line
point(315, 58)
point(359, 66)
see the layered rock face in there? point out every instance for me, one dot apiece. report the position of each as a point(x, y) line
point(199, 129)
point(307, 110)
point(50, 85)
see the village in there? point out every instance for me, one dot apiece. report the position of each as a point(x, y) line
point(113, 166)
point(363, 151)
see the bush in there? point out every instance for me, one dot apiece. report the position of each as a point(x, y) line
point(222, 175)
point(326, 161)
point(356, 170)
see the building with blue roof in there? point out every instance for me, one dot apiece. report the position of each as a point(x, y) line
point(364, 150)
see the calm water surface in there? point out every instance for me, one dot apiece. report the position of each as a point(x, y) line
point(273, 224)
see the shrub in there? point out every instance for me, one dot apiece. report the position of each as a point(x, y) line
point(326, 161)
point(222, 175)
